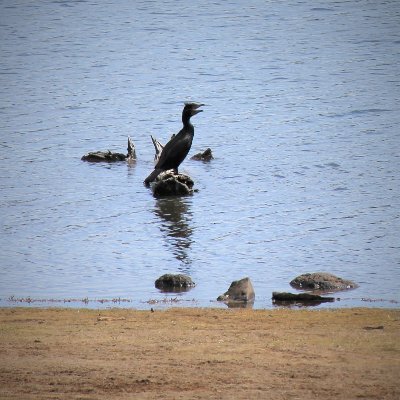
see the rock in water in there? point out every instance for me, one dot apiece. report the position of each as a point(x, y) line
point(103, 156)
point(239, 291)
point(109, 156)
point(322, 281)
point(174, 282)
point(170, 184)
point(303, 298)
point(205, 156)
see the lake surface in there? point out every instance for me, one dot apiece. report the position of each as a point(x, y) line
point(302, 115)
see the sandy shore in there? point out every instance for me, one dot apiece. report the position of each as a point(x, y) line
point(199, 354)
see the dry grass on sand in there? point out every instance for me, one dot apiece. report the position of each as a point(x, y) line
point(199, 354)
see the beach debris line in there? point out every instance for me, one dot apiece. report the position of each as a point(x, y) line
point(169, 300)
point(85, 300)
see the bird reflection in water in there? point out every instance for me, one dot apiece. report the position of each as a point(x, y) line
point(175, 216)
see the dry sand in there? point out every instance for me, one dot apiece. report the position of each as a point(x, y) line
point(199, 354)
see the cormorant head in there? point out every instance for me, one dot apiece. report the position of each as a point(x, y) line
point(190, 109)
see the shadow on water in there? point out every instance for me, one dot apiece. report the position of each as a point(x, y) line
point(175, 217)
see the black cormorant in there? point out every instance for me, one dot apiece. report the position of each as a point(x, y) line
point(176, 150)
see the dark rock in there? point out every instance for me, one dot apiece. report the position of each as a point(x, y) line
point(170, 184)
point(103, 156)
point(174, 283)
point(303, 298)
point(322, 281)
point(108, 156)
point(205, 156)
point(239, 291)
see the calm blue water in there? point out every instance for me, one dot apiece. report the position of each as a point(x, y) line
point(302, 115)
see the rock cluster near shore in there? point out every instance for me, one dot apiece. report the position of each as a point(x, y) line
point(241, 292)
point(317, 282)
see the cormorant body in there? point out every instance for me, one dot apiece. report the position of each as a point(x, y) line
point(176, 150)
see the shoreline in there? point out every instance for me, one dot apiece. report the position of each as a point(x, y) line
point(175, 300)
point(203, 353)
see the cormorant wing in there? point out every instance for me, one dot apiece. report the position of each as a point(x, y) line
point(174, 152)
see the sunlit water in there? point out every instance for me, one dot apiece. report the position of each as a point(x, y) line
point(302, 115)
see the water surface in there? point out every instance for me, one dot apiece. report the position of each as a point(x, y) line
point(302, 116)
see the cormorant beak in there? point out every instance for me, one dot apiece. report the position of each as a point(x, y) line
point(196, 110)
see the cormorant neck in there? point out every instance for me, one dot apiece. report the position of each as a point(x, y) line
point(186, 121)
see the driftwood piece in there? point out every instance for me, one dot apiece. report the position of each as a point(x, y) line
point(131, 149)
point(109, 156)
point(158, 147)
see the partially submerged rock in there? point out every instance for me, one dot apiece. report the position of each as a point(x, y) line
point(109, 156)
point(303, 298)
point(240, 291)
point(205, 156)
point(169, 183)
point(322, 281)
point(174, 283)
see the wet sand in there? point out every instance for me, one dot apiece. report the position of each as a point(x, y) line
point(190, 353)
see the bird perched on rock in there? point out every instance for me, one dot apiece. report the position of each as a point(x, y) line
point(176, 150)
